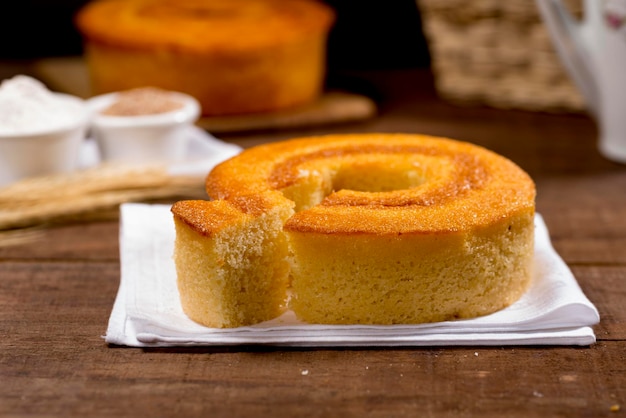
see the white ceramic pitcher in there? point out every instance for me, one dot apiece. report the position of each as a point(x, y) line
point(594, 53)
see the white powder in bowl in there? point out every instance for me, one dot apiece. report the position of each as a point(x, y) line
point(26, 105)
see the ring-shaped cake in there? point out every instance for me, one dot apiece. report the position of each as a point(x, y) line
point(356, 229)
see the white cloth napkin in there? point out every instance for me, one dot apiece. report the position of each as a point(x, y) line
point(147, 311)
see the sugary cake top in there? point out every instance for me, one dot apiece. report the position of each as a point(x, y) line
point(377, 183)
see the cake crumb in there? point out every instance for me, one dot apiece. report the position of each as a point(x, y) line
point(305, 372)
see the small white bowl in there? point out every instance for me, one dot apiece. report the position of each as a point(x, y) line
point(40, 151)
point(148, 138)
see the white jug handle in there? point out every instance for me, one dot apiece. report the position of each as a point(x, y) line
point(566, 35)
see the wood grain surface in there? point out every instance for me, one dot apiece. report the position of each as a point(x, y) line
point(57, 291)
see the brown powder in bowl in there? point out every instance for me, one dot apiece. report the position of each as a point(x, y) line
point(143, 101)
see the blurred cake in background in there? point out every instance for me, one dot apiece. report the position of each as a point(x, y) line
point(235, 57)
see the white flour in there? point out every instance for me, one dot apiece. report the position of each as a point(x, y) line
point(26, 105)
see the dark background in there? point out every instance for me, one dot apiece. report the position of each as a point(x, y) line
point(368, 34)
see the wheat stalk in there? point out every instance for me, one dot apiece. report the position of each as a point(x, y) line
point(52, 198)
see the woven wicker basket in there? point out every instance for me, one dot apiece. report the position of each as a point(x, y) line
point(497, 53)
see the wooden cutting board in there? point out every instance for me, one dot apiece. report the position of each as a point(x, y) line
point(70, 75)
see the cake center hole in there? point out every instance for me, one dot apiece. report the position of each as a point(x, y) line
point(362, 173)
point(377, 178)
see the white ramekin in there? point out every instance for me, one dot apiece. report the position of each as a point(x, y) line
point(144, 138)
point(38, 152)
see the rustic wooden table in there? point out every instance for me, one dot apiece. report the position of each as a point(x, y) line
point(56, 295)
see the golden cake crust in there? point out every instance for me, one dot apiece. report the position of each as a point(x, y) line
point(200, 25)
point(464, 186)
point(206, 219)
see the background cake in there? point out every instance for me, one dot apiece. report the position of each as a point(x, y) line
point(235, 57)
